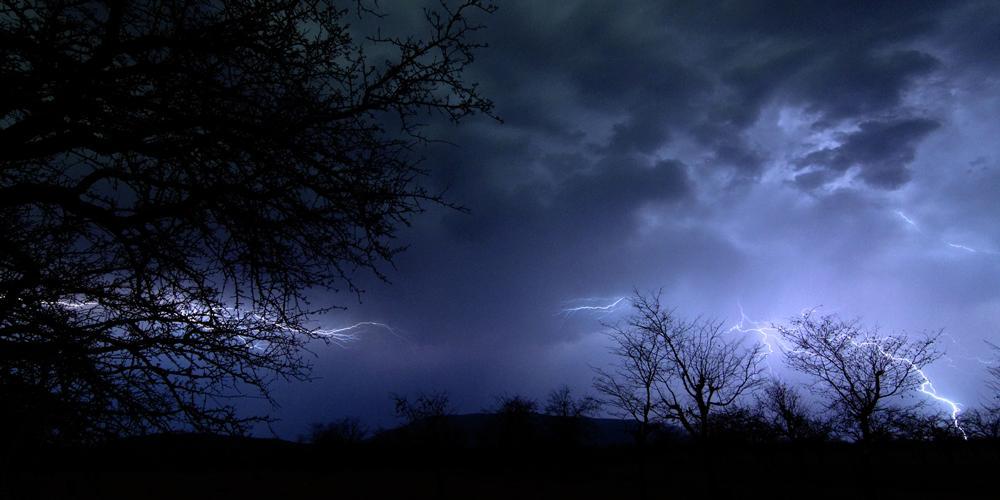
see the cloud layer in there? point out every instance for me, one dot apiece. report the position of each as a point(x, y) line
point(746, 153)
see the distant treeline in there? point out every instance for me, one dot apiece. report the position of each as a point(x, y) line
point(676, 379)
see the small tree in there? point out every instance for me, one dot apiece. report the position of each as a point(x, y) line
point(741, 424)
point(912, 424)
point(426, 417)
point(569, 413)
point(863, 375)
point(561, 403)
point(516, 419)
point(982, 423)
point(432, 406)
point(788, 415)
point(348, 431)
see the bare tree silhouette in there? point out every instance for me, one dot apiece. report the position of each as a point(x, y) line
point(348, 431)
point(682, 371)
point(561, 403)
point(783, 407)
point(516, 420)
point(426, 419)
point(424, 407)
point(706, 372)
point(176, 178)
point(569, 413)
point(629, 389)
point(994, 382)
point(863, 375)
point(982, 423)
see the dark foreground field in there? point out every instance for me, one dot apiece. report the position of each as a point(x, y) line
point(186, 466)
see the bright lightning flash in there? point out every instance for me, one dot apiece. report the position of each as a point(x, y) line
point(769, 338)
point(340, 336)
point(349, 333)
point(926, 387)
point(765, 333)
point(601, 308)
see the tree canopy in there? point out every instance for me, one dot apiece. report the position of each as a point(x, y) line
point(862, 373)
point(176, 177)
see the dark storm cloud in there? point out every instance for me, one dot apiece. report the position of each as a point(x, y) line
point(663, 72)
point(882, 149)
point(839, 59)
point(856, 81)
point(972, 35)
point(620, 184)
point(753, 153)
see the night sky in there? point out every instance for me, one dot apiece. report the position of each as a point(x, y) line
point(770, 155)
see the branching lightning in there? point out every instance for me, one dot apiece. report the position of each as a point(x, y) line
point(200, 313)
point(768, 337)
point(764, 332)
point(767, 334)
point(349, 333)
point(926, 387)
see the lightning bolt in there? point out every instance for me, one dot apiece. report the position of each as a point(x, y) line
point(66, 304)
point(768, 335)
point(199, 312)
point(963, 247)
point(926, 387)
point(764, 332)
point(602, 308)
point(907, 219)
point(348, 333)
point(957, 246)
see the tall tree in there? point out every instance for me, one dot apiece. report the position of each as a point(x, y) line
point(682, 371)
point(706, 371)
point(177, 176)
point(863, 374)
point(629, 389)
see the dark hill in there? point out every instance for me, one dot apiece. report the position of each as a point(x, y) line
point(490, 430)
